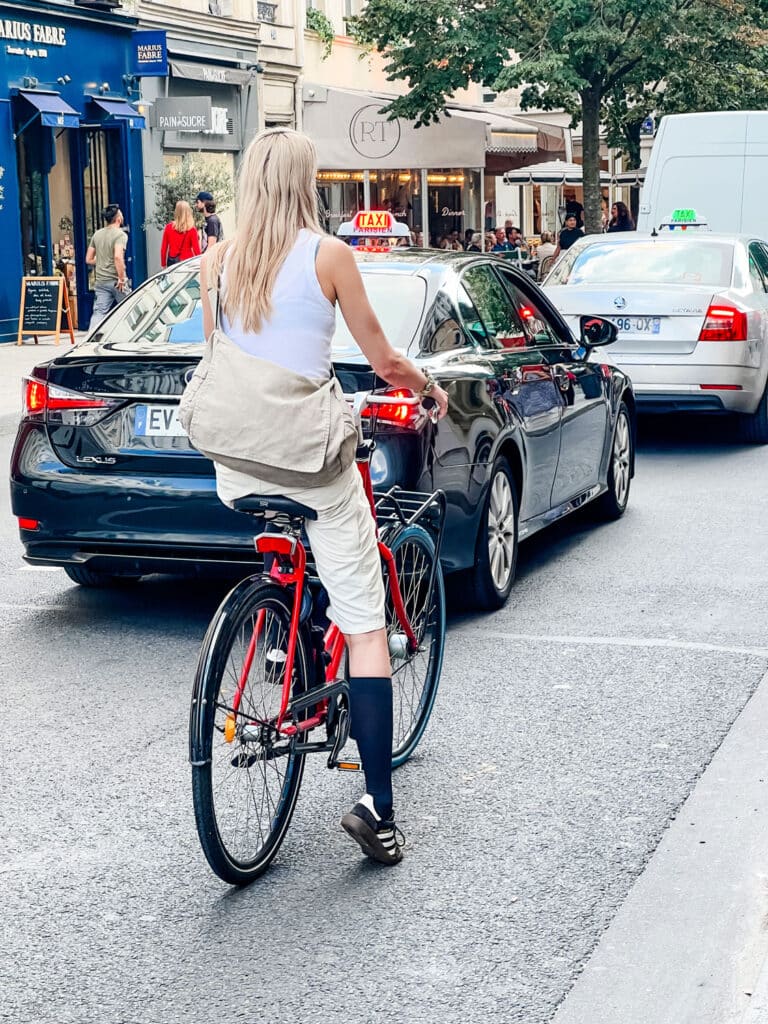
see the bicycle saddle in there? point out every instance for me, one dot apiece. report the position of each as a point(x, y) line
point(261, 505)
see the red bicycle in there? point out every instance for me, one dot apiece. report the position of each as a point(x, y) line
point(270, 685)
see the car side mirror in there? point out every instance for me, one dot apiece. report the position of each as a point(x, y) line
point(595, 331)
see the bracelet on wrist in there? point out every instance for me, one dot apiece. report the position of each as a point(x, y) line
point(429, 386)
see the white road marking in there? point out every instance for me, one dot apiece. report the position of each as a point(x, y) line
point(615, 641)
point(39, 568)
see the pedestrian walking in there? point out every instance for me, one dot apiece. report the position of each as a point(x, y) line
point(106, 254)
point(621, 219)
point(180, 239)
point(571, 233)
point(212, 231)
point(474, 242)
point(277, 297)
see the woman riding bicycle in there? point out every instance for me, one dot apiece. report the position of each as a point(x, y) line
point(277, 283)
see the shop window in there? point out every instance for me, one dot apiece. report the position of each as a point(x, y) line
point(33, 195)
point(502, 322)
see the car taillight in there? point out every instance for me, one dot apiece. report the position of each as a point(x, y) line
point(724, 323)
point(28, 524)
point(394, 413)
point(35, 396)
point(57, 405)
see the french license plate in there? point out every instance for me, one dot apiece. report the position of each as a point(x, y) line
point(157, 421)
point(638, 324)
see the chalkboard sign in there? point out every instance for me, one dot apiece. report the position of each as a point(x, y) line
point(43, 302)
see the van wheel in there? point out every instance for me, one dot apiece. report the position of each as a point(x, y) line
point(86, 577)
point(753, 427)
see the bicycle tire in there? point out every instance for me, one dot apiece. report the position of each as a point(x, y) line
point(415, 678)
point(240, 765)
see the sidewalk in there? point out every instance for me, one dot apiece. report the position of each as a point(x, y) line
point(690, 944)
point(16, 361)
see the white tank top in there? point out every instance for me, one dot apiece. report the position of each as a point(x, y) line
point(298, 334)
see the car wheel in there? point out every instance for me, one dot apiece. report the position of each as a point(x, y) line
point(613, 503)
point(754, 426)
point(93, 578)
point(496, 552)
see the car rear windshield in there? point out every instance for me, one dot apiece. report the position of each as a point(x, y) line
point(646, 262)
point(166, 311)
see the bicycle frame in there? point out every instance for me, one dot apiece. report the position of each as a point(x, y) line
point(288, 569)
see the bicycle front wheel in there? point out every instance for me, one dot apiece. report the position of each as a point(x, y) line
point(245, 778)
point(415, 676)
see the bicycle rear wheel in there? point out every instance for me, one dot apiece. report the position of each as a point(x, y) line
point(245, 778)
point(415, 677)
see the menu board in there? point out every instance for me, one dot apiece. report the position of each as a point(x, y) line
point(44, 300)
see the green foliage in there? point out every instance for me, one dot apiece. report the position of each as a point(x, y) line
point(183, 180)
point(321, 24)
point(603, 61)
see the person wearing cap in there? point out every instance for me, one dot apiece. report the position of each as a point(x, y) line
point(106, 254)
point(571, 233)
point(212, 232)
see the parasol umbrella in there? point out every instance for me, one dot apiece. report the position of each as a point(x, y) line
point(551, 172)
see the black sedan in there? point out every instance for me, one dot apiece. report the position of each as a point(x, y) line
point(105, 483)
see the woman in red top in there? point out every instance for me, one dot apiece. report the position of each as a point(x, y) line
point(180, 237)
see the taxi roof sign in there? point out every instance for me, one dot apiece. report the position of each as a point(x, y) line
point(684, 218)
point(374, 223)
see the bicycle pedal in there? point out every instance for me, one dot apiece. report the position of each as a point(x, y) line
point(348, 766)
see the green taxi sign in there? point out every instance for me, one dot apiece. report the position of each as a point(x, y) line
point(683, 217)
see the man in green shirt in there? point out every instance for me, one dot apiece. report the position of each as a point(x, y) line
point(106, 254)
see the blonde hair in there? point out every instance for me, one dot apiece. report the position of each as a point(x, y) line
point(277, 195)
point(182, 216)
point(546, 237)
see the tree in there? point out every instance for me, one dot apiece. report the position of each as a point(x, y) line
point(611, 61)
point(183, 180)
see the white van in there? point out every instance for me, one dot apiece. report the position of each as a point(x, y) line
point(716, 164)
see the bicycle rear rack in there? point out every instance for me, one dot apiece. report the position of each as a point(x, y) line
point(398, 508)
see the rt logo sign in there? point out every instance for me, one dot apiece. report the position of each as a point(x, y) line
point(372, 135)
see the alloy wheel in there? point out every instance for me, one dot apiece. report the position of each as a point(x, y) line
point(501, 531)
point(622, 448)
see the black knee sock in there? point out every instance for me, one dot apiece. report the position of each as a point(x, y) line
point(370, 705)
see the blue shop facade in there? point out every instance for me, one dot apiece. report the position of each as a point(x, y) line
point(70, 144)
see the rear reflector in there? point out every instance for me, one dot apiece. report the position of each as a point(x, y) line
point(721, 387)
point(724, 323)
point(28, 524)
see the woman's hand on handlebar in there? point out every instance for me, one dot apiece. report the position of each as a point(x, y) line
point(436, 403)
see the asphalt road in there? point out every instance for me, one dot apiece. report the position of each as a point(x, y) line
point(569, 728)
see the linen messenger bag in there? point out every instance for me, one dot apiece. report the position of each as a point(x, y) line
point(256, 417)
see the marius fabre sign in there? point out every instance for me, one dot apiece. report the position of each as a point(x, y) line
point(150, 54)
point(183, 114)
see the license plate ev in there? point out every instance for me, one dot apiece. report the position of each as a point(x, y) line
point(157, 421)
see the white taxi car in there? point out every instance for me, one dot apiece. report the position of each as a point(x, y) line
point(691, 308)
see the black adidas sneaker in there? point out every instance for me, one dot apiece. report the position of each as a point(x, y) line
point(380, 840)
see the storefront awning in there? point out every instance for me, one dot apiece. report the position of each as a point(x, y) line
point(119, 109)
point(53, 110)
point(351, 133)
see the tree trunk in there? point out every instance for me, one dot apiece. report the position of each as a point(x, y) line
point(590, 126)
